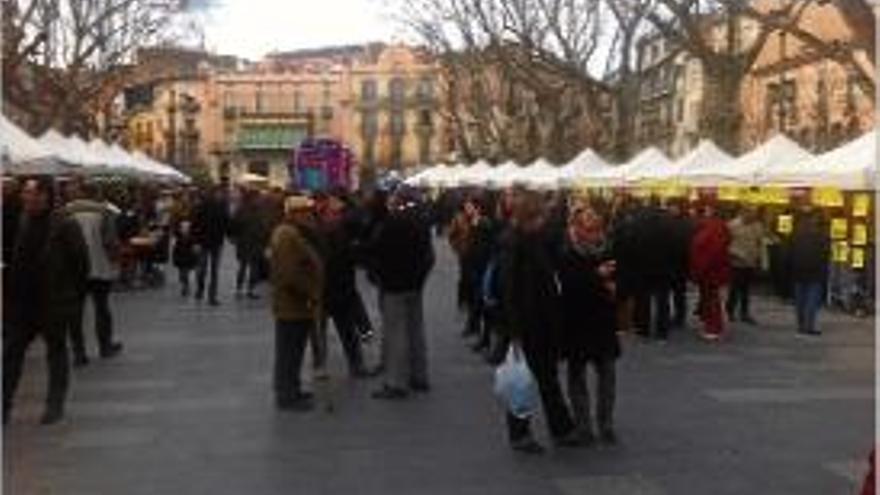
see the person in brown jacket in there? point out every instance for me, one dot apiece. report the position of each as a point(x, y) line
point(297, 276)
point(459, 239)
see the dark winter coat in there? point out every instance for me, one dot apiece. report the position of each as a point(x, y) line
point(589, 310)
point(401, 254)
point(810, 249)
point(49, 268)
point(340, 285)
point(530, 292)
point(211, 223)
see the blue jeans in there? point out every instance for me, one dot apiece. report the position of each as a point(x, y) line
point(807, 300)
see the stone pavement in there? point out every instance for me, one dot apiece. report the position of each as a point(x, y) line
point(187, 409)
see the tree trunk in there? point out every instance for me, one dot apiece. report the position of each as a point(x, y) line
point(721, 115)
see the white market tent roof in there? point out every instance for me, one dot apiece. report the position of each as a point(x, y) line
point(629, 171)
point(449, 177)
point(750, 168)
point(476, 174)
point(584, 167)
point(22, 154)
point(852, 166)
point(650, 164)
point(496, 178)
point(703, 165)
point(541, 174)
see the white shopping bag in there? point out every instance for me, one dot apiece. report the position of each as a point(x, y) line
point(514, 384)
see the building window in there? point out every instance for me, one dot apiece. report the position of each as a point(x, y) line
point(258, 99)
point(680, 111)
point(297, 100)
point(326, 112)
point(369, 90)
point(398, 124)
point(397, 90)
point(425, 118)
point(425, 89)
point(370, 124)
point(424, 150)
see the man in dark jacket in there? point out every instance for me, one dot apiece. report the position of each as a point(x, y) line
point(654, 266)
point(402, 256)
point(250, 227)
point(810, 254)
point(210, 226)
point(49, 269)
point(340, 291)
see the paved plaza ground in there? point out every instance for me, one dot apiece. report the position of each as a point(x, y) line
point(187, 409)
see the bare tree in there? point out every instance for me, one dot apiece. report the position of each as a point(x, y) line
point(516, 71)
point(65, 60)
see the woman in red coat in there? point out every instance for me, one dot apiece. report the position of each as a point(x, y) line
point(710, 269)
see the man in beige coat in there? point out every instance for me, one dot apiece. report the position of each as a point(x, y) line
point(746, 244)
point(297, 276)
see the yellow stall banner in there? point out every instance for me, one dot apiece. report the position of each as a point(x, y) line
point(860, 235)
point(775, 195)
point(840, 252)
point(731, 193)
point(861, 205)
point(828, 197)
point(839, 228)
point(858, 258)
point(784, 224)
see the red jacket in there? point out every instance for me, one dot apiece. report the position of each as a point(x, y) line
point(709, 260)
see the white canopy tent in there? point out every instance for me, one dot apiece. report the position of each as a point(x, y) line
point(541, 174)
point(750, 168)
point(496, 177)
point(476, 174)
point(449, 176)
point(649, 165)
point(702, 166)
point(585, 167)
point(852, 167)
point(22, 154)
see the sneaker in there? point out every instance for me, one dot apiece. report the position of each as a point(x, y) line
point(51, 416)
point(113, 350)
point(420, 387)
point(296, 405)
point(390, 393)
point(527, 445)
point(608, 437)
point(574, 439)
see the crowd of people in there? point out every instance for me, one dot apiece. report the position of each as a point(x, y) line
point(558, 276)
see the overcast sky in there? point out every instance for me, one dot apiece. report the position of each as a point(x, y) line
point(252, 28)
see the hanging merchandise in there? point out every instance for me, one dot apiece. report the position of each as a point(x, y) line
point(839, 228)
point(784, 224)
point(858, 258)
point(861, 205)
point(840, 252)
point(774, 195)
point(828, 197)
point(860, 235)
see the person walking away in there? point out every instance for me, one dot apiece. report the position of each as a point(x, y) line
point(586, 277)
point(98, 226)
point(531, 312)
point(340, 291)
point(210, 226)
point(402, 257)
point(49, 269)
point(250, 235)
point(810, 255)
point(746, 246)
point(655, 265)
point(184, 254)
point(475, 259)
point(297, 277)
point(459, 240)
point(710, 270)
point(683, 232)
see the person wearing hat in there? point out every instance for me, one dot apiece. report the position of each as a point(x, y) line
point(297, 276)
